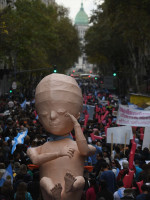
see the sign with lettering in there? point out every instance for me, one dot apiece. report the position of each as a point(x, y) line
point(133, 117)
point(146, 141)
point(120, 135)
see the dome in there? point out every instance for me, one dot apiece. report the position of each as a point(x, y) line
point(81, 17)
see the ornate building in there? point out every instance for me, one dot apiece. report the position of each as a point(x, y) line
point(82, 24)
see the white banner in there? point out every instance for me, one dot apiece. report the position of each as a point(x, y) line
point(133, 117)
point(146, 140)
point(121, 135)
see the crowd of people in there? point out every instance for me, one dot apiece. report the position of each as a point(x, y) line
point(104, 172)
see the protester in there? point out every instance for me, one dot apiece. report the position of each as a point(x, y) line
point(22, 193)
point(124, 171)
point(138, 170)
point(108, 176)
point(98, 166)
point(120, 192)
point(115, 167)
point(98, 150)
point(6, 191)
point(34, 186)
point(92, 190)
point(104, 193)
point(145, 193)
point(128, 194)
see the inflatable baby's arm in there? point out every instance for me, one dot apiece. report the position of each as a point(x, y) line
point(39, 158)
point(83, 147)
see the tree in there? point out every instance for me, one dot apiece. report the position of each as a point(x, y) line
point(121, 36)
point(34, 39)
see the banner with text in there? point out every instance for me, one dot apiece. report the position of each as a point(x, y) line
point(133, 117)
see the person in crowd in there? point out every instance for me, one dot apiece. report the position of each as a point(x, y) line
point(106, 156)
point(98, 150)
point(22, 176)
point(108, 176)
point(122, 159)
point(145, 193)
point(120, 192)
point(98, 166)
point(16, 168)
point(6, 191)
point(145, 174)
point(21, 193)
point(2, 169)
point(34, 186)
point(123, 171)
point(104, 193)
point(138, 170)
point(115, 167)
point(128, 194)
point(92, 190)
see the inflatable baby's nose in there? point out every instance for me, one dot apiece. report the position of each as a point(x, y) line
point(53, 115)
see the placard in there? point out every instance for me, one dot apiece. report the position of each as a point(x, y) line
point(146, 141)
point(121, 135)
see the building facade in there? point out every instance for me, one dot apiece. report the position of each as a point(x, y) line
point(82, 25)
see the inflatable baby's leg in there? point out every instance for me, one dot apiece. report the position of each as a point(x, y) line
point(73, 183)
point(49, 190)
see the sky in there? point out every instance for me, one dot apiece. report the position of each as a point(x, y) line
point(74, 6)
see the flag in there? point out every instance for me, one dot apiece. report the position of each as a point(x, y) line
point(23, 105)
point(33, 101)
point(6, 139)
point(8, 175)
point(19, 139)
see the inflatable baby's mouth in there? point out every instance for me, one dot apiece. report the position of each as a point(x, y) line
point(53, 124)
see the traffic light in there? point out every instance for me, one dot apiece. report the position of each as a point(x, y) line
point(95, 78)
point(10, 91)
point(55, 69)
point(114, 74)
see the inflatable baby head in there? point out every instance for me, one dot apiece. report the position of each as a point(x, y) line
point(55, 96)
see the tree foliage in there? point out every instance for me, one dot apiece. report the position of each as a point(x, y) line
point(119, 39)
point(38, 36)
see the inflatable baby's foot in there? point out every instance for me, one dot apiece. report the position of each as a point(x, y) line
point(69, 181)
point(56, 191)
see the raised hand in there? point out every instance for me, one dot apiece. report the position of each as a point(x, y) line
point(74, 120)
point(66, 151)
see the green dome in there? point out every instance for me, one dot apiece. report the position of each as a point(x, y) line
point(81, 17)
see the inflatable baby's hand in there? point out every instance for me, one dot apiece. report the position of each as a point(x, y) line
point(74, 120)
point(66, 151)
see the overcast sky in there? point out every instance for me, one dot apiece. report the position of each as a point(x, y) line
point(74, 6)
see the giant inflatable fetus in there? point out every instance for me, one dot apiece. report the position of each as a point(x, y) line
point(58, 101)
